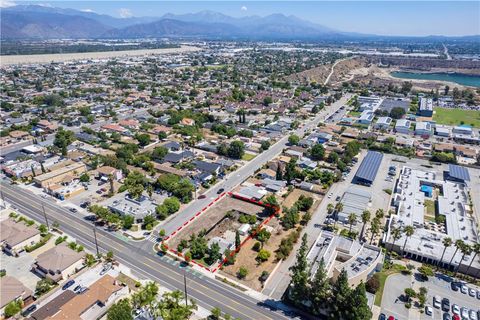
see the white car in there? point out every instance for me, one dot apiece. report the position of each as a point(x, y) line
point(473, 315)
point(436, 302)
point(456, 309)
point(330, 195)
point(464, 313)
point(464, 288)
point(428, 310)
point(472, 292)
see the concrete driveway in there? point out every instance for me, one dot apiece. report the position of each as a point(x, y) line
point(394, 288)
point(20, 268)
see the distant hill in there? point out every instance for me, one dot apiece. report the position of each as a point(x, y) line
point(41, 22)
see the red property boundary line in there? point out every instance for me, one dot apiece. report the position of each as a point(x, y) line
point(276, 211)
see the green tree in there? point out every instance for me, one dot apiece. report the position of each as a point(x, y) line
point(13, 308)
point(352, 217)
point(263, 236)
point(447, 242)
point(172, 204)
point(365, 218)
point(290, 170)
point(425, 272)
point(264, 145)
point(408, 231)
point(263, 255)
point(397, 113)
point(290, 217)
point(293, 139)
point(358, 306)
point(159, 153)
point(317, 152)
point(242, 272)
point(238, 243)
point(172, 307)
point(143, 139)
point(63, 138)
point(215, 313)
point(236, 150)
point(84, 177)
point(299, 284)
point(466, 250)
point(213, 253)
point(121, 310)
point(320, 288)
point(341, 296)
point(127, 221)
point(279, 173)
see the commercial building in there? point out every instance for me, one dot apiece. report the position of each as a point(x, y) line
point(366, 117)
point(423, 129)
point(425, 107)
point(403, 126)
point(368, 169)
point(383, 123)
point(451, 199)
point(56, 176)
point(458, 173)
point(123, 204)
point(354, 200)
point(359, 260)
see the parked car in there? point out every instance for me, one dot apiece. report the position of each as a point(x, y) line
point(455, 285)
point(472, 292)
point(68, 284)
point(73, 210)
point(473, 315)
point(455, 309)
point(447, 316)
point(220, 190)
point(445, 304)
point(464, 289)
point(77, 288)
point(29, 310)
point(202, 196)
point(464, 313)
point(82, 290)
point(437, 302)
point(106, 268)
point(428, 310)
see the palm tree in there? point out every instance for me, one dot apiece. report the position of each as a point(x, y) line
point(330, 208)
point(396, 234)
point(365, 218)
point(409, 231)
point(447, 242)
point(338, 208)
point(352, 217)
point(476, 251)
point(458, 245)
point(380, 213)
point(374, 229)
point(465, 250)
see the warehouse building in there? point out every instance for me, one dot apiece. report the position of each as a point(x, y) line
point(368, 169)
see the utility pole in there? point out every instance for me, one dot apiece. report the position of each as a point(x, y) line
point(185, 283)
point(95, 235)
point(45, 215)
point(4, 204)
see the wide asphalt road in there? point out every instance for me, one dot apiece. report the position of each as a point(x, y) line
point(207, 292)
point(237, 177)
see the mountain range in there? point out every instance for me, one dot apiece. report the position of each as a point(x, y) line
point(44, 22)
point(41, 22)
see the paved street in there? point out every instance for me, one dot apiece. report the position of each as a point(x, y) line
point(207, 292)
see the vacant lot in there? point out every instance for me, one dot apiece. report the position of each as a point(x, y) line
point(296, 193)
point(214, 215)
point(457, 117)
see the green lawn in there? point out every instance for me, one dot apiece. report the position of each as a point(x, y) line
point(430, 205)
point(457, 117)
point(248, 156)
point(354, 114)
point(382, 277)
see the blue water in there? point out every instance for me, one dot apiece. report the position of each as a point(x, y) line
point(462, 79)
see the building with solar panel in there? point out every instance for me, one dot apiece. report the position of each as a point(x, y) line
point(436, 204)
point(368, 169)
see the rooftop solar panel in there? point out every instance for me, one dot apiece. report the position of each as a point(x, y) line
point(458, 172)
point(369, 166)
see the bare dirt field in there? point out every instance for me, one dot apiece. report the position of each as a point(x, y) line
point(213, 216)
point(63, 57)
point(296, 193)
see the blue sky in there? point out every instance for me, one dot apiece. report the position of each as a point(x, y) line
point(386, 17)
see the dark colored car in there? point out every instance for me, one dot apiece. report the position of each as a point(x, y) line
point(202, 196)
point(90, 217)
point(29, 310)
point(445, 304)
point(220, 190)
point(455, 286)
point(73, 210)
point(68, 284)
point(447, 316)
point(77, 288)
point(382, 316)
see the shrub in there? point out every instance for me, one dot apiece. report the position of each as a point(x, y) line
point(256, 246)
point(242, 273)
point(373, 284)
point(263, 255)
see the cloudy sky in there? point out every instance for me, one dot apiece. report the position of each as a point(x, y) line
point(385, 17)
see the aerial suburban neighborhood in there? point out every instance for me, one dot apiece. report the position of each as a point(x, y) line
point(203, 166)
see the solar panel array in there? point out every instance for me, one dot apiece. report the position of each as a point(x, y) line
point(458, 172)
point(369, 167)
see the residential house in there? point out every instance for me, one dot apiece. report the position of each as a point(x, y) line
point(105, 172)
point(383, 123)
point(403, 126)
point(11, 289)
point(267, 174)
point(423, 129)
point(15, 236)
point(58, 263)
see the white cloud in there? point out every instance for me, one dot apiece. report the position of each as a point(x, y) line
point(87, 10)
point(7, 3)
point(244, 8)
point(125, 13)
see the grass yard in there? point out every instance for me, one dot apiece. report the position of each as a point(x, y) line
point(248, 156)
point(430, 206)
point(382, 277)
point(457, 117)
point(354, 114)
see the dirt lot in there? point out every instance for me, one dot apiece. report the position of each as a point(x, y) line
point(212, 216)
point(296, 193)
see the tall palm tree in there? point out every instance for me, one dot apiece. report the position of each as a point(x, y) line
point(447, 242)
point(365, 218)
point(458, 245)
point(396, 234)
point(330, 208)
point(374, 229)
point(352, 217)
point(476, 251)
point(380, 213)
point(338, 209)
point(408, 231)
point(465, 250)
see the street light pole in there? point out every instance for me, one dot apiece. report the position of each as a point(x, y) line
point(45, 215)
point(95, 235)
point(185, 284)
